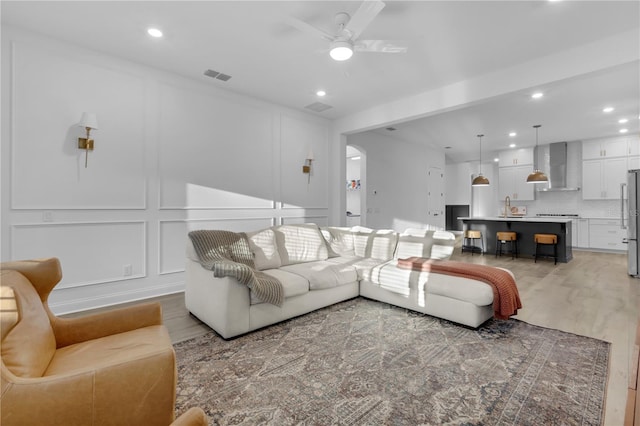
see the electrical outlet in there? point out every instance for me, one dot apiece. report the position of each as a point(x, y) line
point(47, 216)
point(127, 270)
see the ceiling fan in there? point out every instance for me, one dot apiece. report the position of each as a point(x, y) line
point(345, 42)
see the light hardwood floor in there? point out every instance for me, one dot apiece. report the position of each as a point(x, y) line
point(592, 296)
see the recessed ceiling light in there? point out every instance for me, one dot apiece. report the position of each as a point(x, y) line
point(154, 32)
point(622, 120)
point(357, 157)
point(496, 159)
point(513, 145)
point(607, 109)
point(321, 93)
point(512, 134)
point(537, 95)
point(623, 130)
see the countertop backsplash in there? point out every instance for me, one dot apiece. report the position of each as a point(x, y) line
point(569, 202)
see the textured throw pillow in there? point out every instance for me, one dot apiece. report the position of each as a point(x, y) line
point(444, 242)
point(264, 248)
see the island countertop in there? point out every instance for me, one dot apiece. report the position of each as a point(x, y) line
point(525, 229)
point(520, 219)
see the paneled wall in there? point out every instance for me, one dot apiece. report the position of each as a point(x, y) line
point(171, 155)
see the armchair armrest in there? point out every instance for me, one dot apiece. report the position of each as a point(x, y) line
point(75, 330)
point(195, 416)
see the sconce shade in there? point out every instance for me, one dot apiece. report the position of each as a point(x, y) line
point(310, 155)
point(89, 120)
point(480, 181)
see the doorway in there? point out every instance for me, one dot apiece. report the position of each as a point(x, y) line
point(355, 200)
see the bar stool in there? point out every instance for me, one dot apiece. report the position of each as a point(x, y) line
point(546, 239)
point(504, 237)
point(469, 241)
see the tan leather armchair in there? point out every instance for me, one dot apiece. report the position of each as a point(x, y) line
point(111, 368)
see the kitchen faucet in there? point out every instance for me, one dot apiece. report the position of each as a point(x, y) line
point(507, 205)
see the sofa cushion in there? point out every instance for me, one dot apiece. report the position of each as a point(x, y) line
point(378, 244)
point(340, 241)
point(324, 274)
point(28, 342)
point(300, 243)
point(401, 281)
point(428, 244)
point(293, 284)
point(264, 248)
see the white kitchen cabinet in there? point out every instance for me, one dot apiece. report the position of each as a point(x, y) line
point(582, 230)
point(634, 145)
point(608, 148)
point(601, 179)
point(512, 182)
point(606, 234)
point(516, 157)
point(634, 162)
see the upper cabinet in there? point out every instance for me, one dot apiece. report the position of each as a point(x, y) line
point(513, 183)
point(601, 179)
point(605, 164)
point(516, 157)
point(515, 166)
point(605, 148)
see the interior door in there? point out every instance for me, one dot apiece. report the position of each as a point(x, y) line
point(435, 196)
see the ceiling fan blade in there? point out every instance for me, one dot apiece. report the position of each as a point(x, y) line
point(366, 13)
point(308, 28)
point(382, 46)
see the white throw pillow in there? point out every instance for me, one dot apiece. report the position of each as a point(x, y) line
point(264, 248)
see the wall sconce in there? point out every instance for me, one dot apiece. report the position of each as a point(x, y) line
point(306, 168)
point(88, 121)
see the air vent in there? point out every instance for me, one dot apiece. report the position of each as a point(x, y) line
point(391, 129)
point(217, 75)
point(318, 107)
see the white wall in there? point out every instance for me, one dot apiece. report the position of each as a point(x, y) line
point(171, 155)
point(397, 181)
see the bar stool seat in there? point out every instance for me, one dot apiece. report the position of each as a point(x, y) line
point(468, 243)
point(504, 237)
point(546, 239)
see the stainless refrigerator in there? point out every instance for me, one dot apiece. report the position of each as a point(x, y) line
point(633, 215)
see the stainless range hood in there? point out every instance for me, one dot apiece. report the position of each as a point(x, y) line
point(557, 169)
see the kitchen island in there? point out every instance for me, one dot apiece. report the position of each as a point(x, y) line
point(525, 227)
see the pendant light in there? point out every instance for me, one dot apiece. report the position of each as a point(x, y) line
point(536, 176)
point(480, 180)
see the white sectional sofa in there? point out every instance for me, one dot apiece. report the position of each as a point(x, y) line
point(319, 267)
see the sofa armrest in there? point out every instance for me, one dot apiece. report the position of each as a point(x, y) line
point(75, 330)
point(195, 416)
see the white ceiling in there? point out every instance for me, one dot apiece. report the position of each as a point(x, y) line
point(449, 41)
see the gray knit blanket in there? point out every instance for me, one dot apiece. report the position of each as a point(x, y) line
point(228, 254)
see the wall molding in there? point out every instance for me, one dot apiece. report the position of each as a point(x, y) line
point(102, 301)
point(143, 246)
point(161, 269)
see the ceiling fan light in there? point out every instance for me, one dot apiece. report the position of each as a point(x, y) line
point(537, 177)
point(480, 181)
point(341, 50)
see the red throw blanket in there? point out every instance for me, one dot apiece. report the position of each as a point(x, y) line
point(506, 299)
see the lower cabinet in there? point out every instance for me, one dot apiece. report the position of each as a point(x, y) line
point(582, 232)
point(606, 234)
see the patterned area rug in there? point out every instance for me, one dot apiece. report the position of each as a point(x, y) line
point(362, 362)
